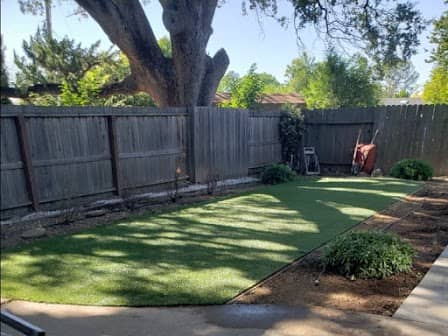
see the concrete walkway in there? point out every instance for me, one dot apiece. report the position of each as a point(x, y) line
point(242, 320)
point(428, 302)
point(424, 312)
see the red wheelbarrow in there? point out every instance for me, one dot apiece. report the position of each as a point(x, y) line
point(364, 156)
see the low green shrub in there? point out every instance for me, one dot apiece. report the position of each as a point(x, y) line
point(368, 255)
point(411, 169)
point(277, 173)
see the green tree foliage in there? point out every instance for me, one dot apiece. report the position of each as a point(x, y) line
point(89, 86)
point(399, 80)
point(271, 84)
point(435, 90)
point(386, 30)
point(39, 8)
point(299, 72)
point(50, 61)
point(247, 91)
point(81, 72)
point(440, 38)
point(228, 81)
point(165, 45)
point(335, 82)
point(4, 80)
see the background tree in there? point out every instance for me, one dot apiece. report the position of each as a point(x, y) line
point(228, 81)
point(337, 82)
point(4, 80)
point(386, 30)
point(165, 45)
point(299, 73)
point(436, 88)
point(76, 75)
point(399, 80)
point(247, 91)
point(271, 84)
point(49, 64)
point(439, 37)
point(88, 87)
point(39, 8)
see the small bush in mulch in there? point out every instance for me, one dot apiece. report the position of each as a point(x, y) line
point(368, 255)
point(411, 169)
point(277, 173)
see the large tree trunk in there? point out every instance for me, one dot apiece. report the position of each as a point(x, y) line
point(190, 77)
point(48, 23)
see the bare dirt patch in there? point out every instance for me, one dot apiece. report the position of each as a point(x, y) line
point(420, 219)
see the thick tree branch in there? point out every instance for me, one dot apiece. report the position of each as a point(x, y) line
point(12, 92)
point(126, 25)
point(126, 86)
point(216, 68)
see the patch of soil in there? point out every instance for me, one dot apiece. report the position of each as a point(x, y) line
point(421, 219)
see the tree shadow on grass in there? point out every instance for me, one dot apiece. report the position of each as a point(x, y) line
point(203, 254)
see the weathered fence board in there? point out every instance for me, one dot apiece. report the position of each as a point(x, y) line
point(76, 152)
point(334, 132)
point(264, 139)
point(419, 131)
point(413, 132)
point(220, 143)
point(151, 149)
point(13, 181)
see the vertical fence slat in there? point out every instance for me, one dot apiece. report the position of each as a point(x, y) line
point(115, 155)
point(191, 164)
point(26, 159)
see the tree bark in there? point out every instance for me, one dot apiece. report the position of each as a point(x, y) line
point(48, 23)
point(190, 77)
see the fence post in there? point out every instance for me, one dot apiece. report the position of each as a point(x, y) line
point(191, 143)
point(114, 153)
point(25, 152)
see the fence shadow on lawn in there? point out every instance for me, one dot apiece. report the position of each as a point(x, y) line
point(202, 254)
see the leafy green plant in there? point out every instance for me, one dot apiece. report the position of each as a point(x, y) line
point(368, 255)
point(411, 169)
point(277, 173)
point(246, 92)
point(291, 133)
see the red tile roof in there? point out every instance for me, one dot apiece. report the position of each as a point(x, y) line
point(272, 98)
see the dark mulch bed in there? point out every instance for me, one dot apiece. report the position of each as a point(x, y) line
point(421, 219)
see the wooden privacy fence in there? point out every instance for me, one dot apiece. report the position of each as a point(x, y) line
point(51, 154)
point(408, 131)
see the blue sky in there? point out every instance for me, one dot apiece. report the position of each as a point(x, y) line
point(270, 46)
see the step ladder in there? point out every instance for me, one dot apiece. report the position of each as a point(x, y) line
point(312, 166)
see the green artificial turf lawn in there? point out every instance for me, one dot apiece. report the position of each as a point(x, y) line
point(201, 254)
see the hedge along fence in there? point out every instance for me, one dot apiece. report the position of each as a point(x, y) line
point(51, 154)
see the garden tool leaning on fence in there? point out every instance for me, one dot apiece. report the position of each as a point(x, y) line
point(364, 156)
